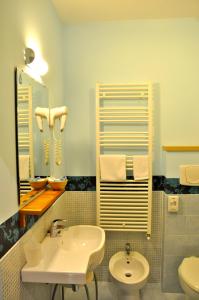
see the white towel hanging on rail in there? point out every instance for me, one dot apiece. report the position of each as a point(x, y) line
point(140, 167)
point(24, 167)
point(113, 167)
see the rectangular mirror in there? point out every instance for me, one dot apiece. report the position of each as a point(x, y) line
point(32, 144)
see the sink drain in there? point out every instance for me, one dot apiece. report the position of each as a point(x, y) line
point(128, 274)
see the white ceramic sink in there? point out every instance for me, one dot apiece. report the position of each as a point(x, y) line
point(69, 258)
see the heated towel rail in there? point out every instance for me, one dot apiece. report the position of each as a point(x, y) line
point(25, 131)
point(124, 126)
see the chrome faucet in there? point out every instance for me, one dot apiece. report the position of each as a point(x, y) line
point(56, 227)
point(128, 248)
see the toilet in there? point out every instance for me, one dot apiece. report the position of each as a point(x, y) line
point(129, 273)
point(188, 273)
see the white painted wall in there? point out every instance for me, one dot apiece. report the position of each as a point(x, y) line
point(20, 22)
point(163, 51)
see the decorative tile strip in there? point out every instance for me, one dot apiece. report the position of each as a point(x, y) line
point(10, 232)
point(81, 183)
point(173, 186)
point(160, 183)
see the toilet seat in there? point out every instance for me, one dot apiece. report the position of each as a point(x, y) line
point(189, 272)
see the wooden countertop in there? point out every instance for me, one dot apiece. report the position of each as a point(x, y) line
point(39, 205)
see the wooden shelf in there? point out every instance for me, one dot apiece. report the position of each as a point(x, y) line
point(39, 205)
point(28, 197)
point(180, 148)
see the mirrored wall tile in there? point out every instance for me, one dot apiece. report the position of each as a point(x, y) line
point(175, 224)
point(177, 245)
point(193, 244)
point(153, 292)
point(170, 282)
point(191, 205)
point(192, 224)
point(174, 296)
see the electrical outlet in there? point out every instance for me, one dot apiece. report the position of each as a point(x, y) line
point(173, 203)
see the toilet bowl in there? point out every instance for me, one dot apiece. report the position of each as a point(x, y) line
point(129, 274)
point(188, 273)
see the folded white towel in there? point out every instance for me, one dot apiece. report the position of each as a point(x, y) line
point(24, 166)
point(192, 174)
point(140, 167)
point(113, 167)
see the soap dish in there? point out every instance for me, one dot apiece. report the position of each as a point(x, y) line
point(58, 184)
point(38, 183)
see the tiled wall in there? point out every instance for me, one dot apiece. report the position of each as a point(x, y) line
point(11, 287)
point(181, 239)
point(81, 209)
point(10, 232)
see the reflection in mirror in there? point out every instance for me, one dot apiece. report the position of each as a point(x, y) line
point(32, 143)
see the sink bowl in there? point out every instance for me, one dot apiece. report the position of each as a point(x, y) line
point(68, 258)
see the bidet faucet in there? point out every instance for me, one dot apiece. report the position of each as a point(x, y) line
point(56, 227)
point(128, 248)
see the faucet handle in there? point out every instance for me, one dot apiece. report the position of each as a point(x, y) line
point(128, 248)
point(56, 225)
point(59, 222)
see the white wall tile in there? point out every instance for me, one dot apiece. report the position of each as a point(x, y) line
point(11, 264)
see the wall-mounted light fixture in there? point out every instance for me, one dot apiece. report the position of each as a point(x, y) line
point(29, 56)
point(36, 66)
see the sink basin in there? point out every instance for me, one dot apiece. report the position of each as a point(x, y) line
point(68, 258)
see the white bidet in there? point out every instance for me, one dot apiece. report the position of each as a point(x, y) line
point(129, 273)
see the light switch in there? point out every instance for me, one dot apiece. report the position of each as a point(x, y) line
point(173, 203)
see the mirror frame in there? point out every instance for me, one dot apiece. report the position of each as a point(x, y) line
point(18, 69)
point(16, 136)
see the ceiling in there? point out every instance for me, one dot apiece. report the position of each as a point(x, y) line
point(78, 11)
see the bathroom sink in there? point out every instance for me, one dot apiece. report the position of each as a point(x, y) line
point(68, 258)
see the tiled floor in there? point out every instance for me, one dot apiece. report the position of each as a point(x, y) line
point(106, 292)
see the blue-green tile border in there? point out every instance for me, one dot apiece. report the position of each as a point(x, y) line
point(81, 183)
point(173, 186)
point(10, 232)
point(160, 183)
